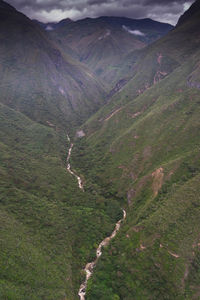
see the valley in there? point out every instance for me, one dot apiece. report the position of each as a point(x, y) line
point(89, 269)
point(99, 158)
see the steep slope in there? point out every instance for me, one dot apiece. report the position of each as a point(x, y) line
point(37, 79)
point(154, 63)
point(42, 94)
point(145, 152)
point(42, 210)
point(193, 12)
point(140, 151)
point(103, 42)
point(53, 25)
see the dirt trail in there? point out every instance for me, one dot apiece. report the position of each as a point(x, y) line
point(114, 113)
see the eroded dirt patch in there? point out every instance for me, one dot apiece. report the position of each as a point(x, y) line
point(158, 177)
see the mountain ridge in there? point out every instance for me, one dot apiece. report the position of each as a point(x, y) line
point(42, 73)
point(139, 151)
point(5, 5)
point(144, 149)
point(194, 9)
point(101, 43)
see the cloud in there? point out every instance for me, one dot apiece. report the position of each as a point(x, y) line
point(49, 28)
point(134, 32)
point(55, 10)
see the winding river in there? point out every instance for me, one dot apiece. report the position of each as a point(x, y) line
point(89, 268)
point(80, 183)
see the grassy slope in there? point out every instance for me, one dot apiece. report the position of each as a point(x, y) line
point(49, 228)
point(163, 206)
point(102, 43)
point(147, 156)
point(97, 45)
point(42, 211)
point(34, 72)
point(146, 68)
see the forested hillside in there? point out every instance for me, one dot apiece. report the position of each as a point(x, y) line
point(144, 148)
point(123, 119)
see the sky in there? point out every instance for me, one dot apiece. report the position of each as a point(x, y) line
point(55, 10)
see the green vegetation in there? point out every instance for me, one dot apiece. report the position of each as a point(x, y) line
point(39, 80)
point(145, 149)
point(103, 43)
point(140, 152)
point(49, 228)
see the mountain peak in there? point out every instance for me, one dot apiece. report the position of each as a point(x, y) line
point(5, 5)
point(65, 21)
point(193, 10)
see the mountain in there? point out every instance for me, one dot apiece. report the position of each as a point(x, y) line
point(139, 152)
point(34, 72)
point(193, 12)
point(44, 94)
point(143, 148)
point(150, 65)
point(103, 42)
point(46, 26)
point(53, 25)
point(42, 210)
point(6, 7)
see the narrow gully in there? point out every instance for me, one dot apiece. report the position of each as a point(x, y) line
point(89, 268)
point(80, 183)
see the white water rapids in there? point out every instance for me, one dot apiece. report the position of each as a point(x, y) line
point(80, 183)
point(90, 266)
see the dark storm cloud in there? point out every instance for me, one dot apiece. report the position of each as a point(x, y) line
point(54, 10)
point(161, 2)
